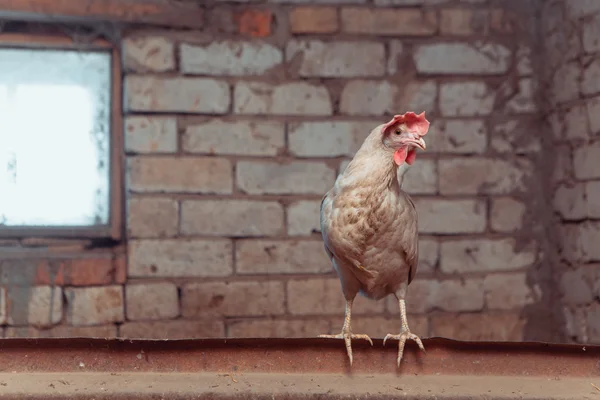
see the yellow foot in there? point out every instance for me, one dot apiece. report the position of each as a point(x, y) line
point(347, 336)
point(403, 337)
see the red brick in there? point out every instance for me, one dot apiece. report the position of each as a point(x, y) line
point(255, 23)
point(93, 271)
point(314, 20)
point(501, 327)
point(393, 22)
point(173, 329)
point(232, 299)
point(281, 328)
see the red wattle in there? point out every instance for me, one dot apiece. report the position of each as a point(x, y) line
point(411, 157)
point(400, 156)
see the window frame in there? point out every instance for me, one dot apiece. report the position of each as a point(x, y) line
point(114, 228)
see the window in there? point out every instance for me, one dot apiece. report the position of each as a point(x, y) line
point(59, 139)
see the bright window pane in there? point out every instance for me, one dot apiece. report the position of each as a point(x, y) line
point(54, 137)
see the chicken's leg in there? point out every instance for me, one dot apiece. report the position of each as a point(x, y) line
point(405, 333)
point(346, 333)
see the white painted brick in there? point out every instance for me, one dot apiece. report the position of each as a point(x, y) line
point(513, 135)
point(457, 136)
point(152, 301)
point(180, 94)
point(565, 85)
point(227, 57)
point(506, 214)
point(296, 98)
point(425, 295)
point(593, 112)
point(148, 54)
point(293, 178)
point(466, 99)
point(328, 139)
point(523, 100)
point(581, 8)
point(248, 138)
point(231, 218)
point(385, 3)
point(508, 291)
point(591, 35)
point(570, 201)
point(524, 67)
point(180, 258)
point(451, 216)
point(150, 134)
point(462, 58)
point(429, 255)
point(188, 175)
point(469, 175)
point(396, 51)
point(152, 217)
point(580, 241)
point(44, 305)
point(95, 305)
point(576, 285)
point(592, 194)
point(585, 161)
point(281, 257)
point(337, 59)
point(483, 255)
point(303, 218)
point(422, 178)
point(378, 98)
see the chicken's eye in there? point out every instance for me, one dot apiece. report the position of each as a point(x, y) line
point(398, 131)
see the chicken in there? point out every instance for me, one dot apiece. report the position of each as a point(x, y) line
point(369, 225)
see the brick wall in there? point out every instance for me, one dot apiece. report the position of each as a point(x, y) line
point(573, 93)
point(233, 134)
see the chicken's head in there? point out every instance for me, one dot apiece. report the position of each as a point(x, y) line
point(404, 134)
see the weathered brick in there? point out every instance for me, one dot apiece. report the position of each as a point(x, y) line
point(378, 327)
point(319, 2)
point(582, 8)
point(425, 295)
point(150, 301)
point(179, 94)
point(150, 134)
point(592, 316)
point(451, 216)
point(152, 217)
point(522, 97)
point(281, 257)
point(148, 54)
point(497, 297)
point(513, 135)
point(580, 241)
point(479, 326)
point(294, 98)
point(481, 175)
point(240, 138)
point(462, 59)
point(386, 3)
point(590, 80)
point(591, 34)
point(593, 112)
point(585, 159)
point(3, 306)
point(474, 255)
point(228, 57)
point(328, 139)
point(462, 21)
point(277, 328)
point(303, 218)
point(395, 56)
point(429, 254)
point(255, 23)
point(233, 299)
point(524, 63)
point(188, 175)
point(324, 296)
point(97, 269)
point(422, 179)
point(592, 194)
point(39, 306)
point(95, 305)
point(570, 201)
point(180, 258)
point(506, 214)
point(576, 321)
point(503, 21)
point(231, 218)
point(458, 136)
point(314, 20)
point(466, 99)
point(407, 22)
point(173, 329)
point(576, 286)
point(565, 85)
point(293, 178)
point(120, 268)
point(337, 59)
point(63, 331)
point(361, 97)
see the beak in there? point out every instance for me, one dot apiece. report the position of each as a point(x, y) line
point(417, 142)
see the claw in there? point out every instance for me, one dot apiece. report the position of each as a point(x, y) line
point(347, 336)
point(402, 338)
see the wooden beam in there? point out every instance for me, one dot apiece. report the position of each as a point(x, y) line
point(153, 12)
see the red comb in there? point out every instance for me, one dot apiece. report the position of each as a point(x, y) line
point(414, 123)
